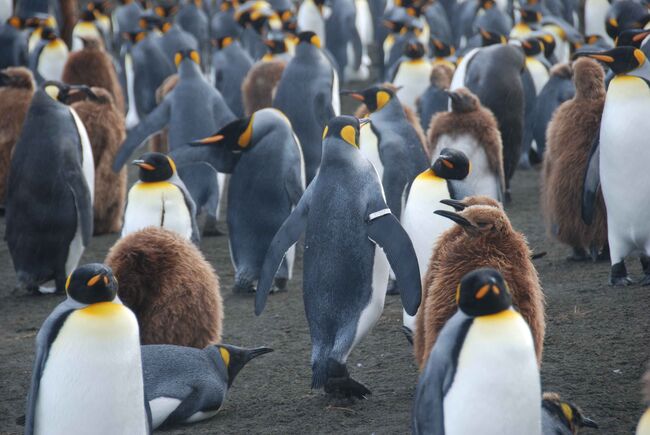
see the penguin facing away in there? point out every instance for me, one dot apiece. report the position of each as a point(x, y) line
point(160, 199)
point(343, 299)
point(560, 417)
point(49, 217)
point(13, 42)
point(481, 376)
point(187, 385)
point(90, 339)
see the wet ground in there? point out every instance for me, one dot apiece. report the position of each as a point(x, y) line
point(597, 344)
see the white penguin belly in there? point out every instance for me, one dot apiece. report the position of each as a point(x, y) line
point(132, 118)
point(595, 18)
point(414, 78)
point(157, 204)
point(458, 80)
point(161, 408)
point(496, 389)
point(538, 72)
point(369, 147)
point(481, 180)
point(310, 18)
point(364, 22)
point(52, 60)
point(336, 96)
point(92, 381)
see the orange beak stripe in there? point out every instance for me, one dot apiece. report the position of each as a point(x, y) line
point(92, 281)
point(483, 291)
point(602, 57)
point(212, 139)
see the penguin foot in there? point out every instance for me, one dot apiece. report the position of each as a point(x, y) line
point(243, 289)
point(618, 275)
point(279, 285)
point(508, 196)
point(346, 387)
point(579, 254)
point(392, 288)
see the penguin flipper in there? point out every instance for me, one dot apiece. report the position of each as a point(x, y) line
point(82, 202)
point(357, 45)
point(153, 123)
point(191, 206)
point(323, 109)
point(591, 182)
point(386, 231)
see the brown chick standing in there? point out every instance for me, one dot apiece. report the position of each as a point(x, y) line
point(258, 88)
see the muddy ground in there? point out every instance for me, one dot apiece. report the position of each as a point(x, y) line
point(597, 344)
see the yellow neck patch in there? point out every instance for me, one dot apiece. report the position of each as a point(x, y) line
point(640, 56)
point(225, 355)
point(246, 137)
point(349, 134)
point(383, 97)
point(225, 42)
point(172, 164)
point(567, 411)
point(102, 309)
point(325, 132)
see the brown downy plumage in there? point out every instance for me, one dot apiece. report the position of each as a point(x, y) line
point(569, 136)
point(16, 90)
point(468, 116)
point(105, 125)
point(483, 237)
point(169, 285)
point(92, 66)
point(158, 142)
point(441, 76)
point(258, 88)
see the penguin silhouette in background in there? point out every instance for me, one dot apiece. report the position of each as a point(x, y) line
point(268, 178)
point(186, 385)
point(175, 39)
point(435, 98)
point(442, 53)
point(536, 63)
point(344, 215)
point(257, 18)
point(193, 19)
point(125, 20)
point(223, 21)
point(529, 21)
point(230, 64)
point(482, 364)
point(87, 361)
point(560, 417)
point(13, 43)
point(48, 57)
point(308, 95)
point(411, 74)
point(49, 217)
point(342, 37)
point(486, 39)
point(620, 151)
point(623, 15)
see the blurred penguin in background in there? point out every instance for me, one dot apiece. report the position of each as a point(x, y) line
point(48, 57)
point(560, 417)
point(13, 43)
point(435, 98)
point(230, 64)
point(412, 74)
point(193, 19)
point(643, 428)
point(342, 38)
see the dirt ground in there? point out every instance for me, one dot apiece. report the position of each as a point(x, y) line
point(597, 345)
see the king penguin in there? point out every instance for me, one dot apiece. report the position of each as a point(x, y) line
point(49, 215)
point(536, 63)
point(230, 64)
point(412, 74)
point(88, 362)
point(621, 152)
point(342, 37)
point(482, 376)
point(48, 58)
point(160, 199)
point(13, 43)
point(308, 95)
point(560, 417)
point(344, 216)
point(185, 384)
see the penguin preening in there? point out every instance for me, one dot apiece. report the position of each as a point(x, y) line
point(571, 132)
point(88, 361)
point(49, 217)
point(344, 215)
point(16, 90)
point(268, 178)
point(472, 129)
point(186, 385)
point(104, 122)
point(171, 288)
point(560, 417)
point(481, 375)
point(483, 237)
point(259, 86)
point(619, 153)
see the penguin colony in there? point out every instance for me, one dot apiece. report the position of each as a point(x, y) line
point(249, 95)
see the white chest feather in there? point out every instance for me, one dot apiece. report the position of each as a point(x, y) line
point(496, 389)
point(92, 381)
point(336, 97)
point(458, 81)
point(159, 204)
point(538, 72)
point(52, 60)
point(369, 147)
point(643, 427)
point(132, 118)
point(595, 18)
point(310, 18)
point(413, 77)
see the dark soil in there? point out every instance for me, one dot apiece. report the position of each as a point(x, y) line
point(596, 346)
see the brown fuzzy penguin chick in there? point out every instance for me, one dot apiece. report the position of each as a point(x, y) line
point(563, 70)
point(570, 134)
point(258, 88)
point(171, 288)
point(92, 66)
point(16, 90)
point(441, 76)
point(483, 237)
point(105, 126)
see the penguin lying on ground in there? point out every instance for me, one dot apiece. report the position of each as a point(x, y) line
point(260, 84)
point(571, 132)
point(472, 129)
point(560, 417)
point(16, 90)
point(483, 237)
point(481, 376)
point(171, 288)
point(344, 215)
point(104, 123)
point(87, 362)
point(186, 385)
point(268, 178)
point(49, 217)
point(435, 99)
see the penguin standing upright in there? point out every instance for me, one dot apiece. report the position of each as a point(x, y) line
point(483, 364)
point(13, 43)
point(48, 57)
point(87, 362)
point(268, 178)
point(194, 20)
point(342, 37)
point(412, 74)
point(186, 385)
point(529, 19)
point(595, 17)
point(230, 64)
point(435, 98)
point(621, 151)
point(472, 129)
point(308, 95)
point(160, 198)
point(86, 28)
point(49, 204)
point(344, 215)
point(536, 63)
point(310, 17)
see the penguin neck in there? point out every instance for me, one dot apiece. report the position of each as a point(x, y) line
point(392, 110)
point(307, 51)
point(338, 153)
point(216, 360)
point(188, 69)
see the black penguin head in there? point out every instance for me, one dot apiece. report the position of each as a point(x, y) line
point(92, 283)
point(491, 38)
point(193, 55)
point(166, 11)
point(275, 42)
point(133, 37)
point(530, 15)
point(100, 7)
point(568, 414)
point(612, 27)
point(155, 167)
point(468, 201)
point(309, 37)
point(620, 60)
point(150, 22)
point(256, 15)
point(632, 37)
point(374, 97)
point(345, 128)
point(532, 46)
point(235, 136)
point(486, 4)
point(451, 164)
point(548, 42)
point(224, 42)
point(463, 100)
point(49, 34)
point(483, 292)
point(414, 49)
point(235, 358)
point(87, 16)
point(483, 221)
point(61, 92)
point(441, 48)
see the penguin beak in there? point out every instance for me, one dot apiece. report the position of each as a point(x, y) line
point(601, 57)
point(640, 37)
point(455, 217)
point(455, 204)
point(587, 422)
point(144, 165)
point(357, 96)
point(364, 121)
point(208, 140)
